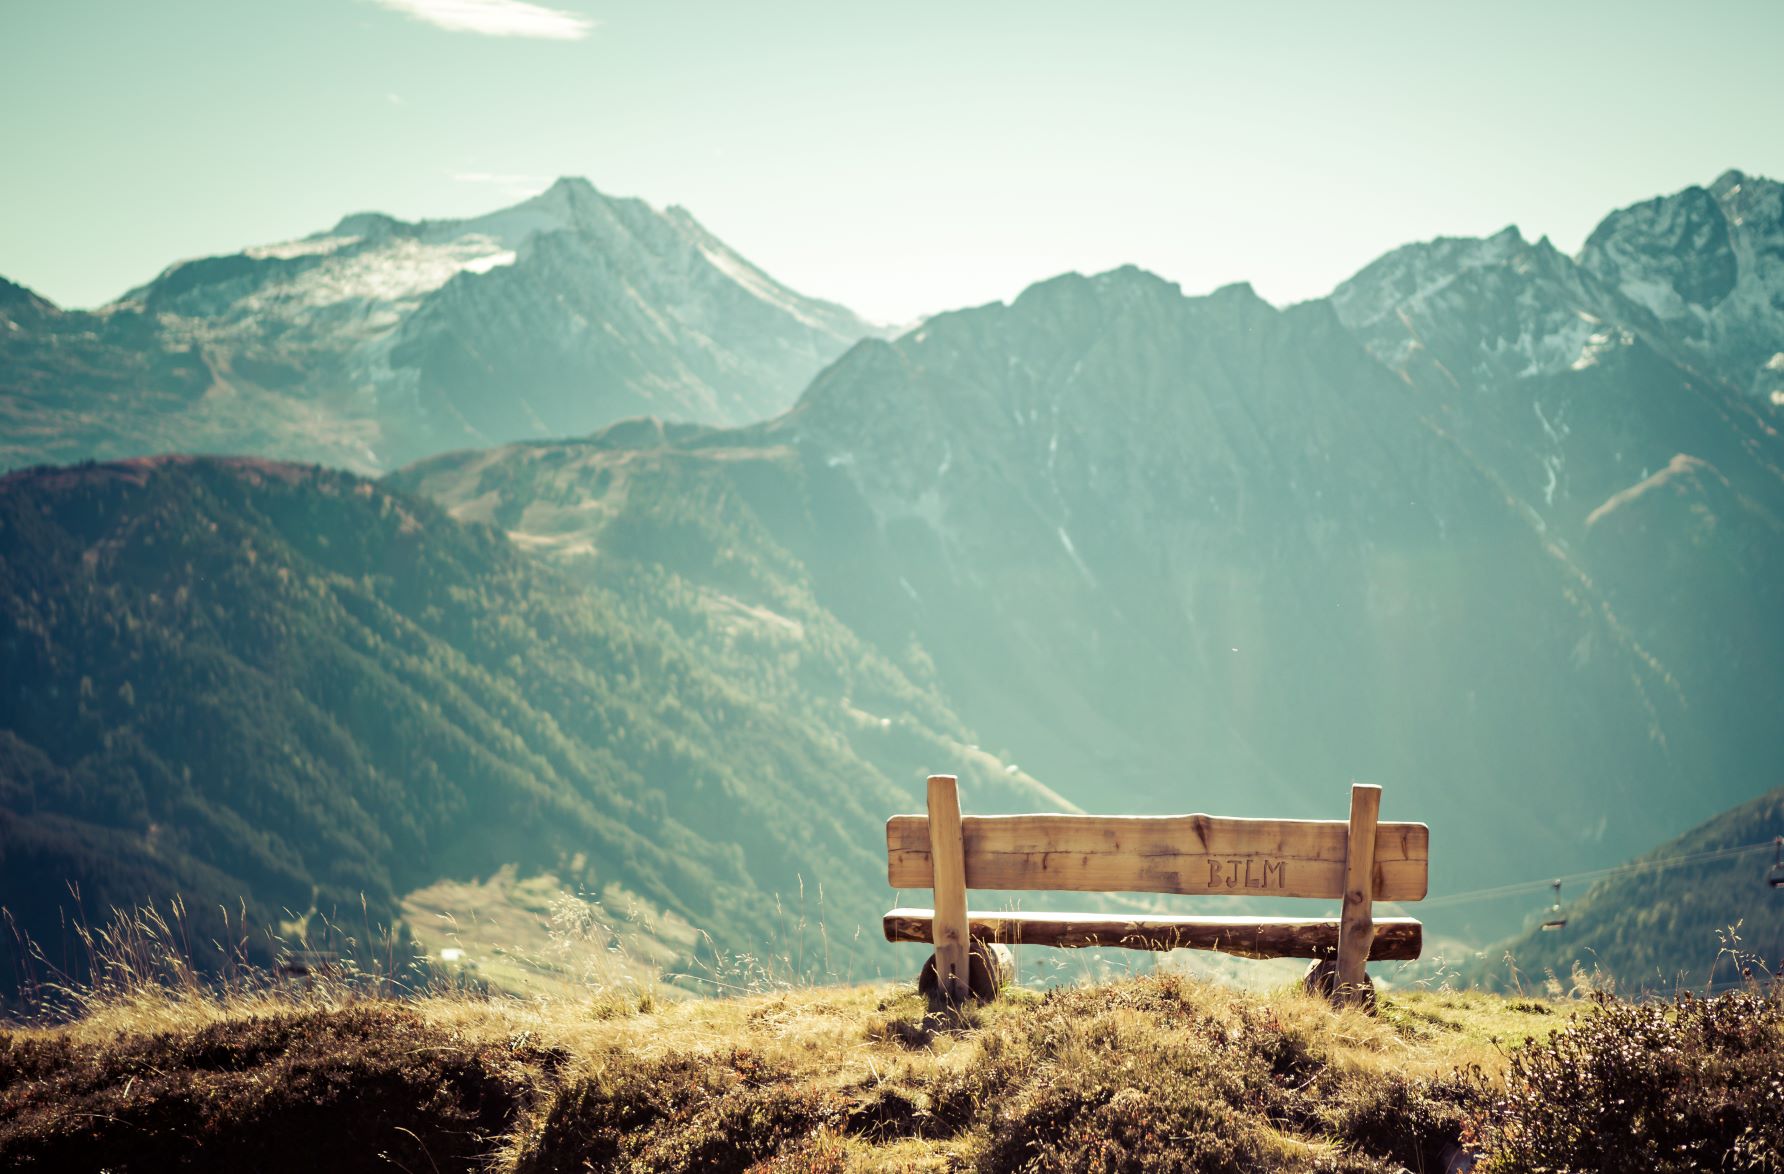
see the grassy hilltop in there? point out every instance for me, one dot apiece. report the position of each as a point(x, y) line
point(1153, 1073)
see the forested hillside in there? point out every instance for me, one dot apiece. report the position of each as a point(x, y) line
point(242, 681)
point(1693, 912)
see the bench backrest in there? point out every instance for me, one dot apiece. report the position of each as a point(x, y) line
point(1190, 854)
point(1360, 861)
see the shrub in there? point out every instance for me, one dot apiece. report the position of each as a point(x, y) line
point(1409, 1122)
point(685, 1112)
point(1154, 1075)
point(1692, 1085)
point(297, 1092)
point(1109, 1119)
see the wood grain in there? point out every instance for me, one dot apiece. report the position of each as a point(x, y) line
point(1356, 924)
point(1396, 938)
point(1191, 854)
point(948, 878)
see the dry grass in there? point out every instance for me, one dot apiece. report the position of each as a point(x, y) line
point(150, 1066)
point(813, 1078)
point(532, 936)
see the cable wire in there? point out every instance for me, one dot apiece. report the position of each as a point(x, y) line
point(1534, 886)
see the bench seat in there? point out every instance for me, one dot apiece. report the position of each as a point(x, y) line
point(1397, 939)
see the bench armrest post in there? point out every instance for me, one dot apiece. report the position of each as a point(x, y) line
point(1356, 930)
point(948, 852)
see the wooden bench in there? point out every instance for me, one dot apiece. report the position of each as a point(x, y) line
point(1360, 861)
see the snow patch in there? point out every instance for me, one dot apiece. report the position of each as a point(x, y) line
point(315, 246)
point(1544, 347)
point(1065, 540)
point(757, 283)
point(1597, 345)
point(493, 261)
point(1657, 296)
point(397, 272)
point(1551, 465)
point(1547, 428)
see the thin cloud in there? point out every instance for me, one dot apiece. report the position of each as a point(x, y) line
point(517, 186)
point(496, 18)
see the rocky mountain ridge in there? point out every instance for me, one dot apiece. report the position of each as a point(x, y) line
point(1697, 275)
point(379, 340)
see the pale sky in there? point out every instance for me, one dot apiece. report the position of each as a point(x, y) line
point(899, 158)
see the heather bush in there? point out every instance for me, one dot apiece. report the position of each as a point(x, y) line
point(1697, 1084)
point(1411, 1122)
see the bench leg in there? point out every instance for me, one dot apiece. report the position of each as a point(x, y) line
point(1356, 929)
point(1321, 981)
point(990, 967)
point(947, 853)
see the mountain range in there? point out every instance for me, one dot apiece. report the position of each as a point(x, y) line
point(379, 341)
point(1493, 526)
point(1471, 528)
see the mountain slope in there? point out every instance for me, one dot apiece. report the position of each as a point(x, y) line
point(1642, 447)
point(1662, 924)
point(380, 341)
point(251, 682)
point(1275, 564)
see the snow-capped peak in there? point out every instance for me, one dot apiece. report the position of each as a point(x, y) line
point(1708, 265)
